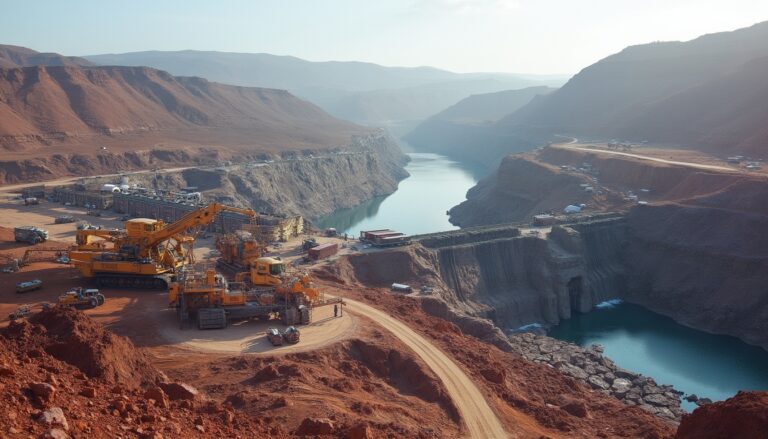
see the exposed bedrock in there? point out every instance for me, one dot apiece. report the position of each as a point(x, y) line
point(705, 267)
point(312, 184)
point(511, 278)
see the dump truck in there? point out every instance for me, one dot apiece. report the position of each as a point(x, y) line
point(30, 234)
point(29, 285)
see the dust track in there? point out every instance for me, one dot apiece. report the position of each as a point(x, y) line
point(478, 416)
point(650, 159)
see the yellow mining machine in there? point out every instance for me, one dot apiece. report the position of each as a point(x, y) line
point(237, 251)
point(268, 275)
point(148, 252)
point(206, 297)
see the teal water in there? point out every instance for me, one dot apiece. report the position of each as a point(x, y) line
point(712, 366)
point(418, 206)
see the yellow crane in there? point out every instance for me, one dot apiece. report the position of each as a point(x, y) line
point(148, 252)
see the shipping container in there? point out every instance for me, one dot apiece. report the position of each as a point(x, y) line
point(323, 251)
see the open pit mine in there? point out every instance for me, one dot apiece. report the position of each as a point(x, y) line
point(183, 258)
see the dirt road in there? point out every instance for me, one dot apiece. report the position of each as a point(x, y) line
point(481, 421)
point(651, 159)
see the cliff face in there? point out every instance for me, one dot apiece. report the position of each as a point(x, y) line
point(512, 279)
point(697, 253)
point(310, 184)
point(519, 189)
point(705, 267)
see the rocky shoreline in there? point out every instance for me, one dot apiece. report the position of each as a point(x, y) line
point(592, 368)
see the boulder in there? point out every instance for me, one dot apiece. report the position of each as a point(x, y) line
point(692, 398)
point(574, 407)
point(598, 383)
point(55, 433)
point(53, 417)
point(43, 391)
point(621, 385)
point(158, 395)
point(177, 391)
point(315, 427)
point(359, 431)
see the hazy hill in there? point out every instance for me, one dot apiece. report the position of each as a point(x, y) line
point(362, 92)
point(16, 56)
point(470, 122)
point(68, 104)
point(683, 86)
point(708, 93)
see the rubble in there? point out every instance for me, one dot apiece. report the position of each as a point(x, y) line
point(600, 373)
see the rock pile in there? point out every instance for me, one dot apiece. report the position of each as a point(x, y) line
point(597, 371)
point(47, 391)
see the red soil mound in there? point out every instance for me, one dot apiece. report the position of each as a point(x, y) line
point(372, 384)
point(74, 338)
point(43, 396)
point(743, 416)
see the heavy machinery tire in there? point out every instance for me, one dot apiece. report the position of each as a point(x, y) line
point(100, 299)
point(94, 302)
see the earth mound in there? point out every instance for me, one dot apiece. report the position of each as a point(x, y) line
point(744, 415)
point(63, 375)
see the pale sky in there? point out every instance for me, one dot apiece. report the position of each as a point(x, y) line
point(517, 36)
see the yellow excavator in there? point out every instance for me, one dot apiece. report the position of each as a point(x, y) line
point(207, 298)
point(149, 252)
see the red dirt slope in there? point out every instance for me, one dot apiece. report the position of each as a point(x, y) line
point(743, 416)
point(84, 120)
point(50, 388)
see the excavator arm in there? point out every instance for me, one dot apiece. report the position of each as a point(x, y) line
point(197, 218)
point(86, 237)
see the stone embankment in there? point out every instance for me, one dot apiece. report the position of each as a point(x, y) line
point(590, 367)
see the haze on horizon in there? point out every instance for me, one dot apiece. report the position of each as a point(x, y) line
point(516, 36)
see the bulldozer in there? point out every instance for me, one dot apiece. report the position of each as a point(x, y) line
point(82, 298)
point(148, 252)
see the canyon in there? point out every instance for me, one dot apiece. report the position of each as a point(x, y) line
point(695, 253)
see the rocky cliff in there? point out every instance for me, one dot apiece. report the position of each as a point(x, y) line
point(706, 267)
point(311, 184)
point(510, 278)
point(696, 253)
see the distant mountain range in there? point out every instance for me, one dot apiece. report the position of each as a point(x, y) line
point(361, 92)
point(707, 94)
point(468, 121)
point(75, 108)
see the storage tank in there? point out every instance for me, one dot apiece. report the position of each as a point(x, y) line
point(109, 188)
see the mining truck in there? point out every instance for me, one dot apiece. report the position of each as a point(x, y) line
point(30, 234)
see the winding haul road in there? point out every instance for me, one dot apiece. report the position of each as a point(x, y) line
point(481, 421)
point(570, 145)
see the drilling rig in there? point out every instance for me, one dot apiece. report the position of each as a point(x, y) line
point(148, 253)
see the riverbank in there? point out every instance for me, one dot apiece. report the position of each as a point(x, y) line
point(419, 204)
